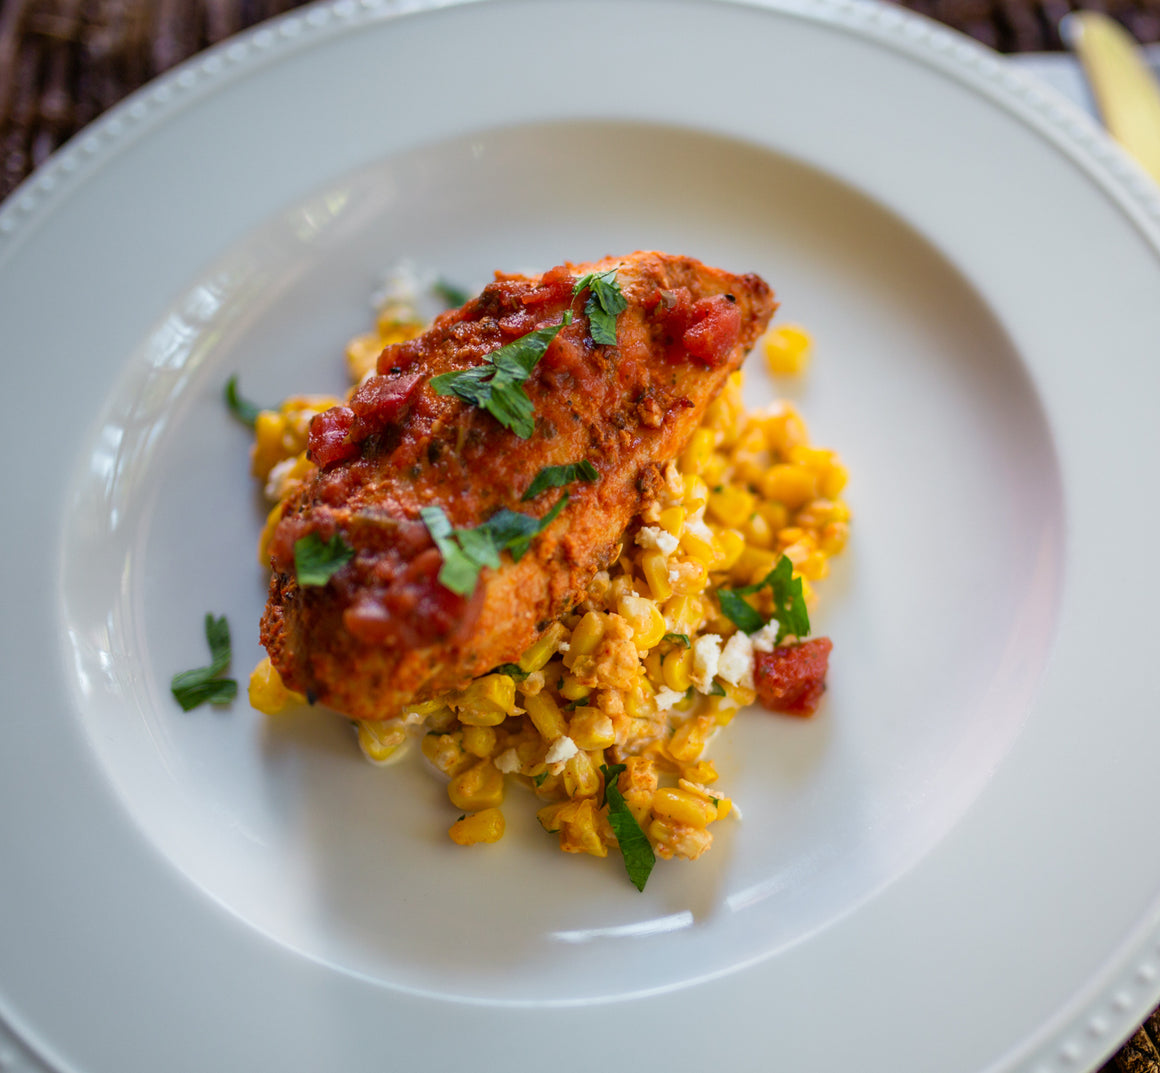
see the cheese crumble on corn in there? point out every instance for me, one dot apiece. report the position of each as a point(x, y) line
point(647, 669)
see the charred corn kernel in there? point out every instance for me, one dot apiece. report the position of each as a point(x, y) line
point(683, 614)
point(702, 771)
point(672, 520)
point(580, 829)
point(484, 826)
point(731, 506)
point(587, 635)
point(640, 702)
point(543, 649)
point(268, 693)
point(677, 669)
point(833, 538)
point(572, 688)
point(697, 451)
point(488, 700)
point(792, 485)
point(362, 354)
point(268, 449)
point(787, 350)
point(732, 544)
point(645, 619)
point(680, 806)
point(479, 740)
point(671, 839)
point(545, 715)
point(653, 666)
point(639, 773)
point(655, 568)
point(689, 738)
point(591, 729)
point(380, 740)
point(549, 815)
point(689, 578)
point(834, 480)
point(581, 776)
point(696, 492)
point(446, 752)
point(721, 805)
point(479, 787)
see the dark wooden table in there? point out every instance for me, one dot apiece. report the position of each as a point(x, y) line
point(64, 62)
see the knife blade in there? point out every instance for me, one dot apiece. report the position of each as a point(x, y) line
point(1125, 89)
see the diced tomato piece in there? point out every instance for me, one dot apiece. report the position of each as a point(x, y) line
point(792, 678)
point(329, 436)
point(381, 401)
point(715, 329)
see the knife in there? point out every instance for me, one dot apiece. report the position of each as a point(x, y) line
point(1126, 91)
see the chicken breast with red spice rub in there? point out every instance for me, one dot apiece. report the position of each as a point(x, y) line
point(383, 631)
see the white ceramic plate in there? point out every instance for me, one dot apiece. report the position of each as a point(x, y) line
point(947, 868)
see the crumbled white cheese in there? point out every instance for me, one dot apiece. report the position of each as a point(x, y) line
point(563, 748)
point(651, 536)
point(736, 664)
point(277, 474)
point(697, 527)
point(674, 481)
point(706, 656)
point(765, 639)
point(507, 762)
point(674, 573)
point(666, 698)
point(563, 646)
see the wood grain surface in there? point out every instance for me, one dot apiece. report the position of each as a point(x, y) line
point(64, 62)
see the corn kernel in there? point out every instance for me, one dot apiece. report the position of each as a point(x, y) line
point(581, 776)
point(833, 538)
point(543, 649)
point(591, 729)
point(655, 568)
point(732, 505)
point(571, 688)
point(380, 739)
point(653, 666)
point(677, 669)
point(672, 520)
point(268, 449)
point(587, 635)
point(703, 771)
point(753, 565)
point(696, 492)
point(581, 829)
point(697, 451)
point(689, 738)
point(268, 693)
point(446, 752)
point(362, 355)
point(834, 480)
point(671, 839)
point(791, 485)
point(484, 826)
point(645, 619)
point(488, 700)
point(479, 740)
point(680, 806)
point(545, 714)
point(684, 613)
point(787, 350)
point(480, 786)
point(732, 544)
point(690, 577)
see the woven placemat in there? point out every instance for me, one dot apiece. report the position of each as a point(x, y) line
point(64, 62)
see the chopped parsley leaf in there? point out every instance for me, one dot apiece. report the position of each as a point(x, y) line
point(451, 295)
point(605, 303)
point(497, 385)
point(789, 604)
point(683, 638)
point(317, 561)
point(512, 670)
point(204, 685)
point(716, 689)
point(634, 844)
point(244, 410)
point(467, 551)
point(580, 702)
point(540, 779)
point(559, 476)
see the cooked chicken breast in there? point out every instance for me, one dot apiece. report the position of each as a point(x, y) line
point(384, 631)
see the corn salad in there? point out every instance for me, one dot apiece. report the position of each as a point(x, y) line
point(647, 669)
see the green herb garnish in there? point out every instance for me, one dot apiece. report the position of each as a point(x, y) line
point(579, 702)
point(634, 844)
point(451, 295)
point(789, 604)
point(317, 561)
point(497, 385)
point(512, 670)
point(204, 684)
point(540, 779)
point(467, 551)
point(683, 638)
point(605, 303)
point(716, 689)
point(559, 476)
point(244, 410)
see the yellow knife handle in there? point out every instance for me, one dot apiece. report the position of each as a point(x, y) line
point(1126, 91)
